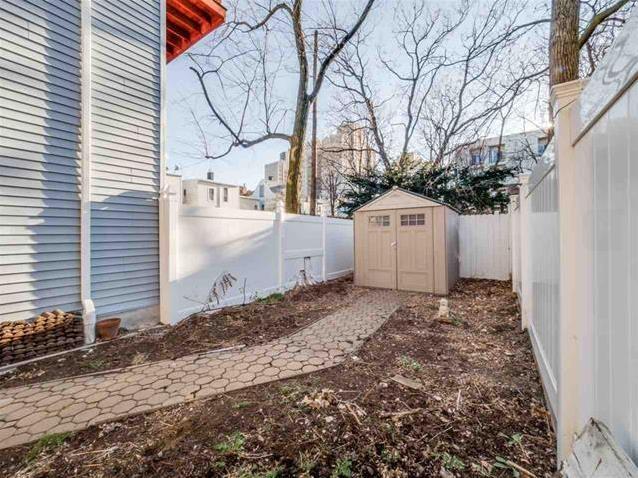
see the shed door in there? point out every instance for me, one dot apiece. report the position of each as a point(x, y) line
point(380, 251)
point(415, 249)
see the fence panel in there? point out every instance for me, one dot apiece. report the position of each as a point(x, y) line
point(484, 242)
point(610, 341)
point(545, 271)
point(265, 251)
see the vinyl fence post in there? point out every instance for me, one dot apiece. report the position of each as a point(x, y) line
point(324, 225)
point(280, 217)
point(514, 241)
point(169, 237)
point(570, 325)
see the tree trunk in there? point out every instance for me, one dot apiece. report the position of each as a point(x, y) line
point(295, 160)
point(563, 43)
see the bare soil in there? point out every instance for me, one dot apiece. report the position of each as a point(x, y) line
point(251, 324)
point(478, 410)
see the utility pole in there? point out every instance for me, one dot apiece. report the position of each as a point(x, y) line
point(313, 176)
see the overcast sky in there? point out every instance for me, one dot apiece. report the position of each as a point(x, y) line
point(243, 166)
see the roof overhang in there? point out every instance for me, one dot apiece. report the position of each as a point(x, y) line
point(188, 21)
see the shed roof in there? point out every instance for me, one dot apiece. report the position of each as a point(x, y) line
point(399, 198)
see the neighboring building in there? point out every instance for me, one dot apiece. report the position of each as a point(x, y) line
point(81, 108)
point(210, 193)
point(272, 188)
point(520, 150)
point(249, 202)
point(344, 152)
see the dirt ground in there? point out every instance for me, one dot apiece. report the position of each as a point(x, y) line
point(471, 405)
point(255, 323)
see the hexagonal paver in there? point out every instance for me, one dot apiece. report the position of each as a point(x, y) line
point(86, 415)
point(271, 372)
point(246, 377)
point(123, 407)
point(72, 410)
point(28, 412)
point(130, 390)
point(144, 395)
point(109, 402)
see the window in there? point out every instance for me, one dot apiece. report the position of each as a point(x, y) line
point(261, 190)
point(475, 157)
point(413, 219)
point(379, 221)
point(542, 145)
point(269, 178)
point(494, 154)
point(211, 194)
point(225, 194)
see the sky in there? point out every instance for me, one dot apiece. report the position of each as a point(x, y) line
point(241, 166)
point(245, 166)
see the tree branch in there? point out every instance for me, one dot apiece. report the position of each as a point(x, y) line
point(325, 64)
point(599, 18)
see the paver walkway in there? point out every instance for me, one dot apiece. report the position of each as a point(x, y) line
point(31, 411)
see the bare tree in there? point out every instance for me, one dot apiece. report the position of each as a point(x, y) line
point(331, 184)
point(460, 73)
point(570, 34)
point(356, 103)
point(447, 95)
point(239, 74)
point(340, 155)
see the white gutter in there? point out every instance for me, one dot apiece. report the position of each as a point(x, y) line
point(88, 308)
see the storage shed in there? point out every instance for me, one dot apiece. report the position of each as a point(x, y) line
point(406, 241)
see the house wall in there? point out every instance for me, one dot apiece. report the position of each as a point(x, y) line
point(125, 156)
point(197, 194)
point(250, 203)
point(44, 103)
point(40, 113)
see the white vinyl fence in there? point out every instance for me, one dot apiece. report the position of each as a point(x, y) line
point(575, 234)
point(265, 252)
point(484, 242)
point(543, 270)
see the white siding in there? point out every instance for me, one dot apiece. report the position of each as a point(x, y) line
point(39, 156)
point(125, 155)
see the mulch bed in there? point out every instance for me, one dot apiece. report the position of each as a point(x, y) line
point(251, 324)
point(477, 410)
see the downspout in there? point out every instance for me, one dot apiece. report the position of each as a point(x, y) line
point(166, 200)
point(88, 308)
